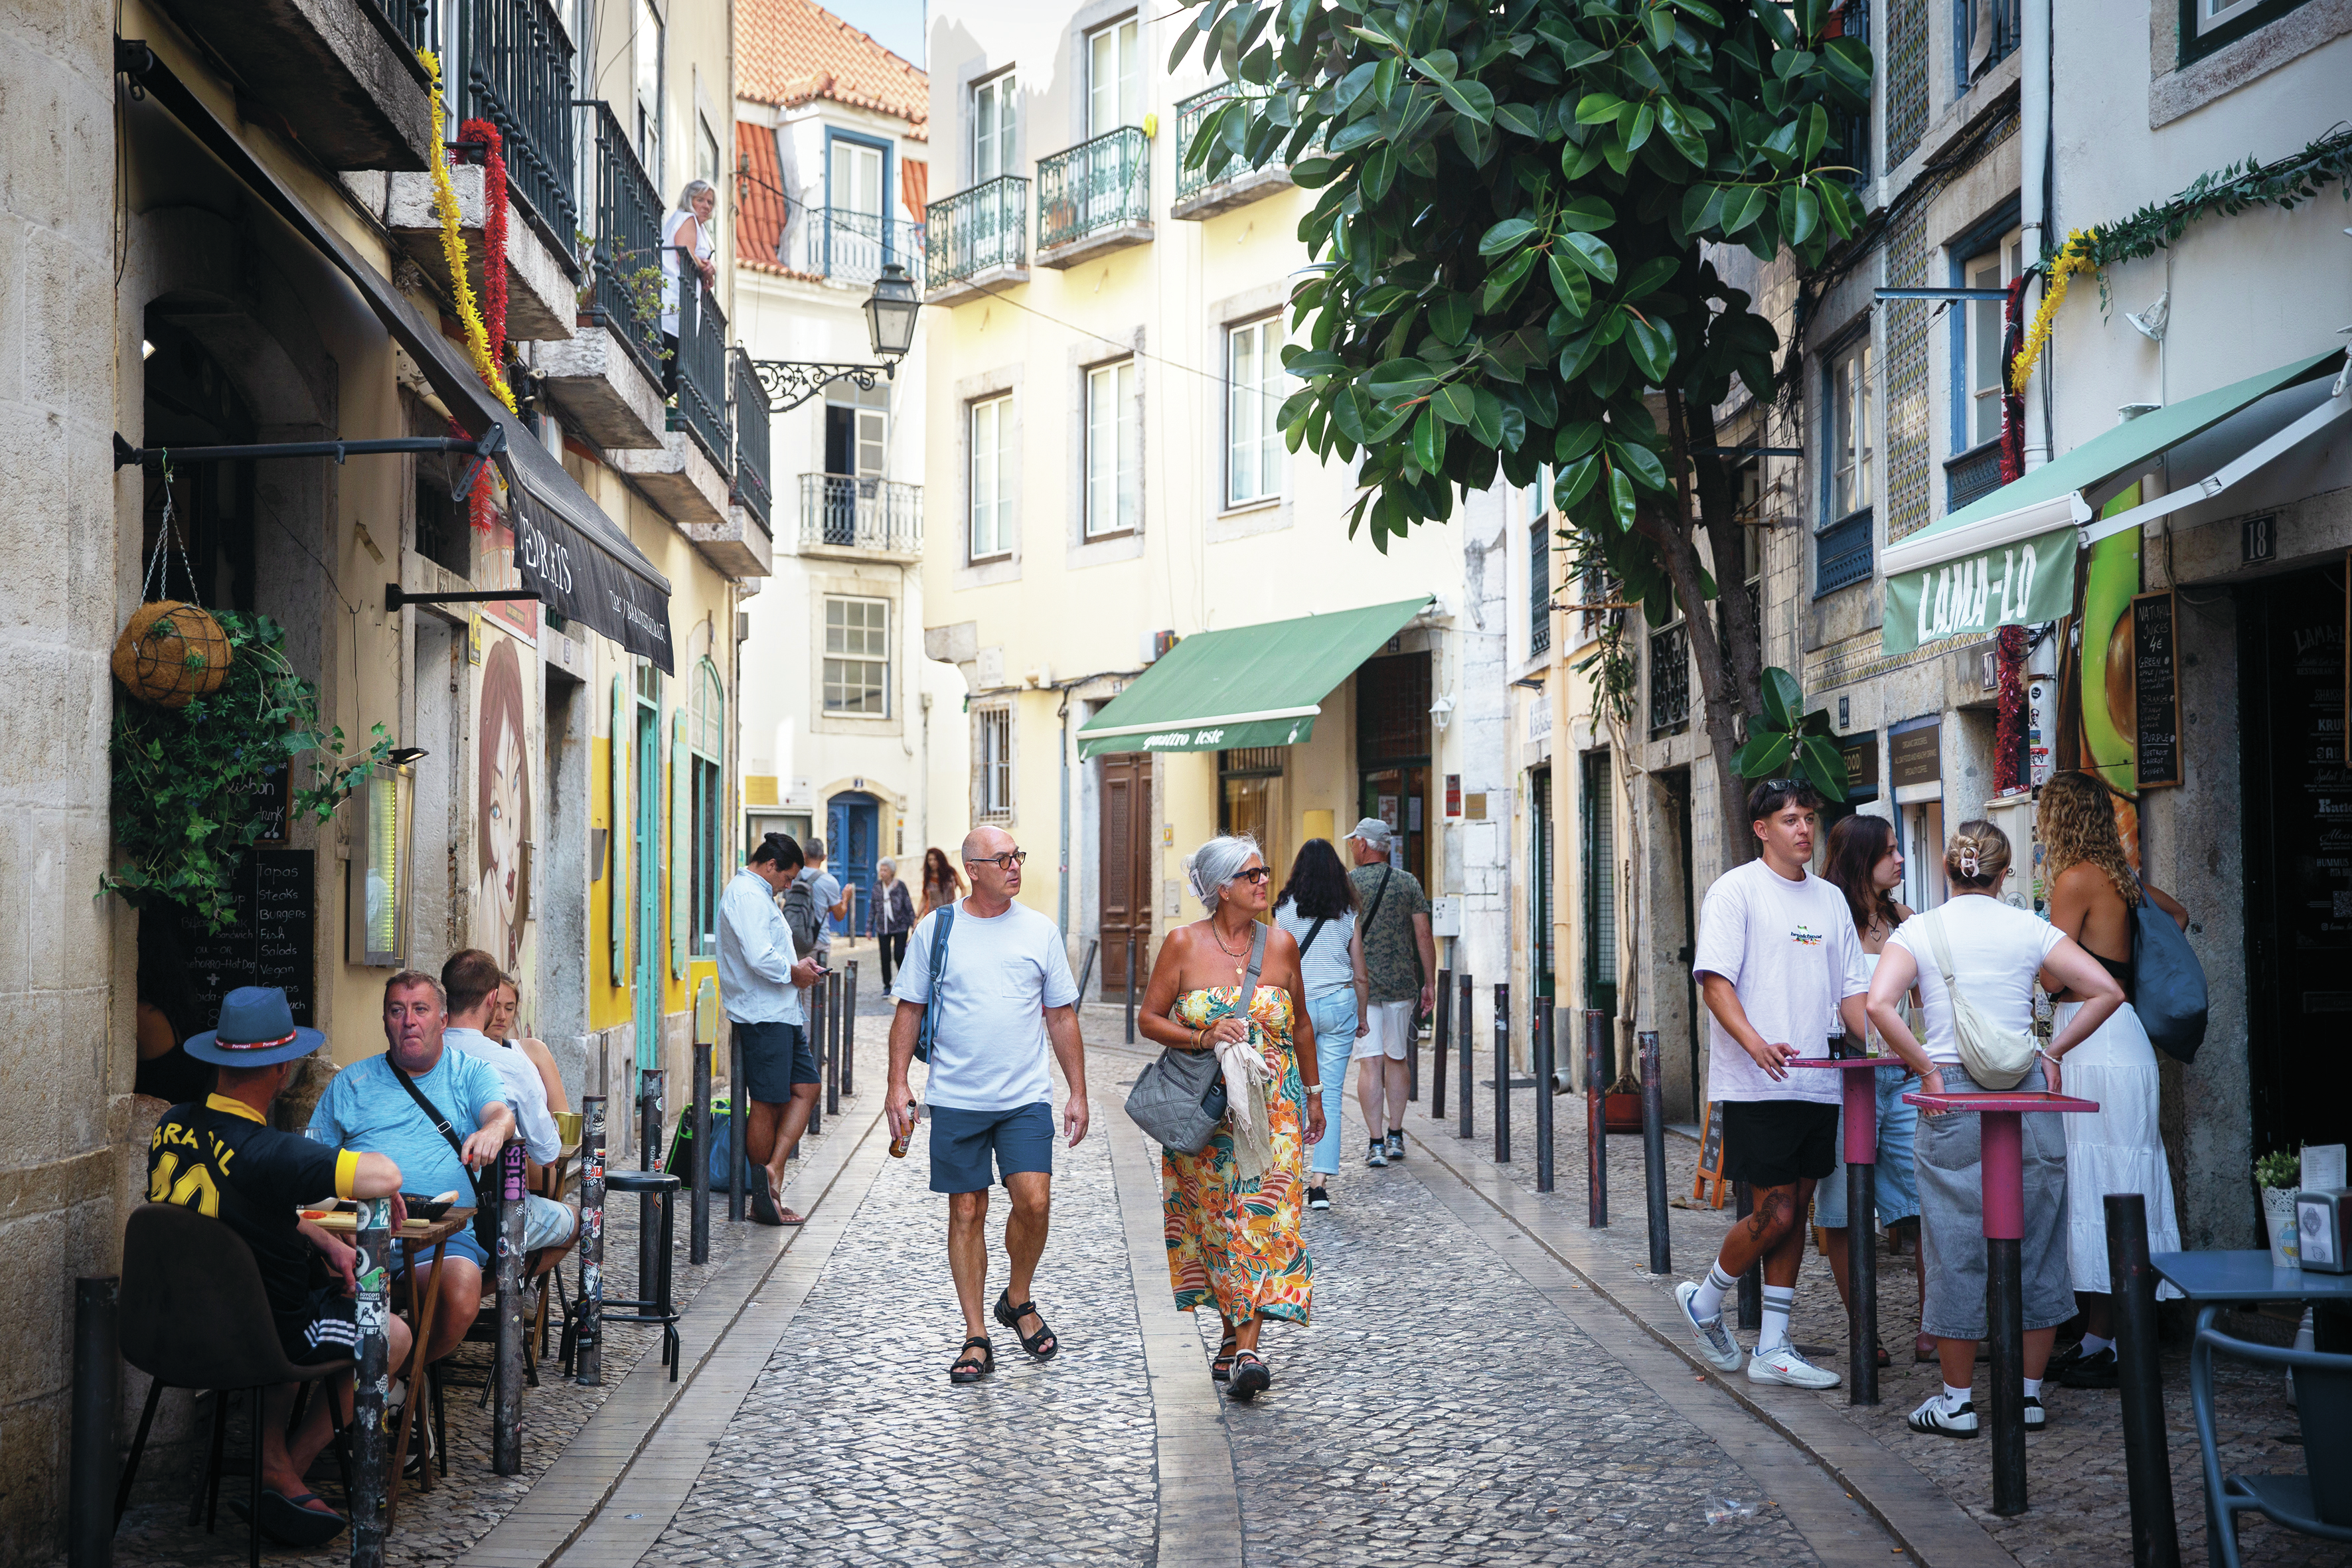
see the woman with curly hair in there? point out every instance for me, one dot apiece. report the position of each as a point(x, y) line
point(2095, 898)
point(941, 885)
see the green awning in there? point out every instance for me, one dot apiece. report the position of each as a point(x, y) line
point(1245, 686)
point(2009, 558)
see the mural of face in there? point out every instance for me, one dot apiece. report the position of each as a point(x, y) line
point(503, 805)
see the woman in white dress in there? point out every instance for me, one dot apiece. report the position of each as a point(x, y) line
point(2095, 898)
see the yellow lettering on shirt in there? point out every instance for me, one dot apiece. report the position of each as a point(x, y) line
point(196, 1189)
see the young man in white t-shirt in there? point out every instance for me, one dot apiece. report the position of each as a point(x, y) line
point(1005, 992)
point(1781, 969)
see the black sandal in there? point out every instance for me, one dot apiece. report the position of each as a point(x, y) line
point(1221, 1366)
point(1251, 1375)
point(981, 1364)
point(1010, 1316)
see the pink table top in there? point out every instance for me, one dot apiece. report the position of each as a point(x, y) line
point(2013, 1101)
point(1849, 1064)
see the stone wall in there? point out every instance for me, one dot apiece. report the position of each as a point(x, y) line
point(60, 947)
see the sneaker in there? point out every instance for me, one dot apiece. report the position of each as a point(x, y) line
point(2036, 1417)
point(1714, 1341)
point(1316, 1198)
point(1782, 1363)
point(2097, 1371)
point(1379, 1154)
point(1932, 1418)
point(1396, 1144)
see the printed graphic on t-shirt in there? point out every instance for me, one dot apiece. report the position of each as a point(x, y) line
point(1805, 936)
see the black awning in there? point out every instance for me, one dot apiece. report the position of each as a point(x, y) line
point(573, 558)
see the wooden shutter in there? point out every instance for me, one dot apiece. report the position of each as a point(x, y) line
point(616, 835)
point(681, 844)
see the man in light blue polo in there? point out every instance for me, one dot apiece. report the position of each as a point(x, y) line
point(759, 986)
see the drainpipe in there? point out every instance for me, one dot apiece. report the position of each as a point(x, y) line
point(2033, 130)
point(1063, 713)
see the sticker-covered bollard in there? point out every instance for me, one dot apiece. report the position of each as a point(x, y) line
point(372, 1381)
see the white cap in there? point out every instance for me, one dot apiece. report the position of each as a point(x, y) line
point(1373, 831)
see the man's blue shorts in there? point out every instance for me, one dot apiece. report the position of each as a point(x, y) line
point(961, 1141)
point(775, 1057)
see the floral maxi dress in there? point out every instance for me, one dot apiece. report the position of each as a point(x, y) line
point(1234, 1243)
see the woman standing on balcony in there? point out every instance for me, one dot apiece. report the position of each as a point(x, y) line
point(686, 232)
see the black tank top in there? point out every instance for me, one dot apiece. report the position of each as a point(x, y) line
point(2121, 970)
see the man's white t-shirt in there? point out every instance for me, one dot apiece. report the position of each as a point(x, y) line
point(1002, 973)
point(1789, 950)
point(1996, 952)
point(526, 1095)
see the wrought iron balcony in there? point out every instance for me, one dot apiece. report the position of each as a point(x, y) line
point(1670, 680)
point(754, 491)
point(624, 245)
point(2003, 26)
point(409, 21)
point(701, 368)
point(517, 60)
point(1841, 553)
point(841, 512)
point(972, 233)
point(1096, 195)
point(1222, 180)
point(851, 248)
point(1975, 472)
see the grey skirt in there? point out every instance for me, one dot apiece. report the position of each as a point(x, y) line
point(1947, 1159)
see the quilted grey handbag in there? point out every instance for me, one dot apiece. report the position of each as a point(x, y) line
point(1180, 1099)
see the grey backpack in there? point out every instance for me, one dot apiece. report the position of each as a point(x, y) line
point(1180, 1099)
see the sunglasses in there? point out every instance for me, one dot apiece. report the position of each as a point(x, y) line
point(1255, 874)
point(1004, 862)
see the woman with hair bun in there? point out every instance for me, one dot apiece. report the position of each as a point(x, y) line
point(2094, 898)
point(1994, 954)
point(1233, 1209)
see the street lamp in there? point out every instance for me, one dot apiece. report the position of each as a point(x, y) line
point(889, 326)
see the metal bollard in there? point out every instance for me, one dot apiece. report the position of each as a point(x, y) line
point(1752, 1284)
point(1539, 1021)
point(849, 1036)
point(1131, 988)
point(830, 1048)
point(649, 1205)
point(372, 1382)
point(514, 1330)
point(697, 1245)
point(1653, 1152)
point(739, 1116)
point(1501, 1073)
point(814, 1026)
point(97, 1395)
point(2155, 1538)
point(1462, 1021)
point(1438, 1040)
point(1596, 1123)
point(588, 1346)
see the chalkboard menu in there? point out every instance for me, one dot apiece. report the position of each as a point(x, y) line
point(2156, 680)
point(273, 802)
point(272, 939)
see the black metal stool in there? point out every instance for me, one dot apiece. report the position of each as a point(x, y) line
point(655, 1189)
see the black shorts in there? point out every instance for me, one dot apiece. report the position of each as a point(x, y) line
point(775, 1058)
point(330, 1330)
point(1777, 1143)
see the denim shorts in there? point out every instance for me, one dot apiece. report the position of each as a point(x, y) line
point(962, 1141)
point(1896, 1185)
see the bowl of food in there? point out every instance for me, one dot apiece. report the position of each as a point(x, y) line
point(427, 1209)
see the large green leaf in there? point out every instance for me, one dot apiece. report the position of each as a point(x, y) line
point(1823, 766)
point(1784, 698)
point(1765, 754)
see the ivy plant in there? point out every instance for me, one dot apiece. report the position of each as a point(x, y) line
point(185, 779)
point(1784, 735)
point(1510, 241)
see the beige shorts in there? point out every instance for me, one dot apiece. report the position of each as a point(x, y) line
point(1392, 1032)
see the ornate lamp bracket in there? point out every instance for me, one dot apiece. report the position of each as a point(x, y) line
point(791, 383)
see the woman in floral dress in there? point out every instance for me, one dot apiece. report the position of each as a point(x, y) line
point(1233, 1209)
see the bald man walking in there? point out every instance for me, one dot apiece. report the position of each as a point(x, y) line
point(997, 993)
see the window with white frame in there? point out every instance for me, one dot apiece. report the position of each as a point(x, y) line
point(645, 51)
point(991, 477)
point(856, 658)
point(1114, 450)
point(855, 187)
point(991, 775)
point(1114, 77)
point(706, 151)
point(1993, 270)
point(1850, 442)
point(1255, 387)
point(992, 118)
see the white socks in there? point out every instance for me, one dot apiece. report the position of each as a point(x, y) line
point(1707, 1302)
point(2033, 1388)
point(1777, 1300)
point(1954, 1398)
point(2092, 1345)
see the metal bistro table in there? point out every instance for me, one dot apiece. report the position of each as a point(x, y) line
point(1859, 1128)
point(2001, 1162)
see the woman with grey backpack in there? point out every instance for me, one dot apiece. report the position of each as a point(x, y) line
point(1975, 961)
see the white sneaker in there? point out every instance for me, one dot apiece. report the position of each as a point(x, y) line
point(2036, 1417)
point(1714, 1341)
point(1933, 1417)
point(1783, 1364)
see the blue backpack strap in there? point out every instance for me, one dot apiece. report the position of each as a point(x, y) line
point(945, 918)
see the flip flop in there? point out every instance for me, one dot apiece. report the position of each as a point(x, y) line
point(286, 1520)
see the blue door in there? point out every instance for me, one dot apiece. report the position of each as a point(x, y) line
point(853, 821)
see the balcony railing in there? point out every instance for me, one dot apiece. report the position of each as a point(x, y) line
point(1975, 472)
point(841, 512)
point(410, 21)
point(1539, 590)
point(624, 256)
point(2002, 23)
point(518, 63)
point(1098, 184)
point(1670, 679)
point(851, 248)
point(1220, 165)
point(701, 380)
point(973, 231)
point(753, 489)
point(1841, 553)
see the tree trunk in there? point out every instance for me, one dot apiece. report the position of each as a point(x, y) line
point(1679, 549)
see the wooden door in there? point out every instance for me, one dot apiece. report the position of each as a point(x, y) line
point(1125, 856)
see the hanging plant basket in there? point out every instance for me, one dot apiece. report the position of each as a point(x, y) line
point(171, 654)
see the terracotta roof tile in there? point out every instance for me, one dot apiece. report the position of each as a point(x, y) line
point(790, 51)
point(759, 197)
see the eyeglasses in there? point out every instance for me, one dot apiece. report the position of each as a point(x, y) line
point(1004, 862)
point(1255, 874)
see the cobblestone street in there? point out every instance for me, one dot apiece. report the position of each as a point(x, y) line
point(1484, 1381)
